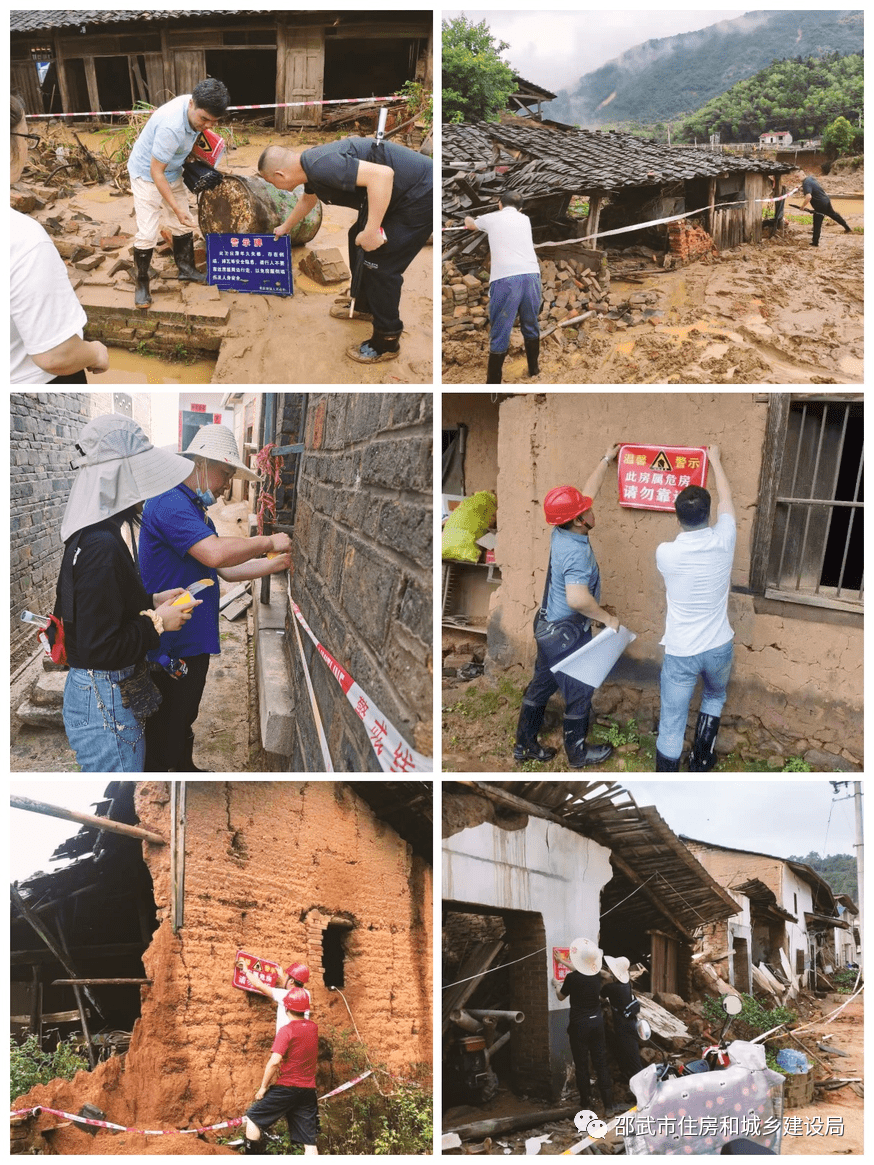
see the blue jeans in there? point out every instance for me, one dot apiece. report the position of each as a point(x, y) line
point(105, 736)
point(679, 676)
point(516, 295)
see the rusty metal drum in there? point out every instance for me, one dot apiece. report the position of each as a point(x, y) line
point(254, 207)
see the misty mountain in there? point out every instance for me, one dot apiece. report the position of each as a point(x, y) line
point(666, 78)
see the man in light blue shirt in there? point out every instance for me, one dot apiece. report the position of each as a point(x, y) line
point(155, 168)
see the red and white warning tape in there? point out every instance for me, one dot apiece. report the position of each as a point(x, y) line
point(231, 108)
point(228, 1124)
point(392, 751)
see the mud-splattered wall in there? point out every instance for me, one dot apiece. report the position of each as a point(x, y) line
point(797, 675)
point(43, 429)
point(268, 866)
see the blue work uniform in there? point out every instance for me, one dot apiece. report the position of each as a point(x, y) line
point(168, 136)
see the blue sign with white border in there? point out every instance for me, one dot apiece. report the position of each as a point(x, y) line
point(255, 263)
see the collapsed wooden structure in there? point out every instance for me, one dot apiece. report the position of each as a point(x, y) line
point(627, 181)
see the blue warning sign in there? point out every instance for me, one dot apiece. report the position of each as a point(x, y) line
point(257, 263)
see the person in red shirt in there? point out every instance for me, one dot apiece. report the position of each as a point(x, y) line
point(288, 1088)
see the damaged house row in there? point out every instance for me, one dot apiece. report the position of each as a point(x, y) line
point(528, 867)
point(150, 927)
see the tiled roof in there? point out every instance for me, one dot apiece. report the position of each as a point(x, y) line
point(36, 21)
point(536, 90)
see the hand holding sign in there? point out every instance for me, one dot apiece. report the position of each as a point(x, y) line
point(651, 476)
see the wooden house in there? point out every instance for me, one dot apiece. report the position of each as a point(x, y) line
point(109, 60)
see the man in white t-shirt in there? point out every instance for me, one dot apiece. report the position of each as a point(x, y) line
point(514, 282)
point(696, 568)
point(294, 976)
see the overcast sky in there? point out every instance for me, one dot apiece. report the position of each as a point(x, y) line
point(771, 817)
point(554, 49)
point(33, 837)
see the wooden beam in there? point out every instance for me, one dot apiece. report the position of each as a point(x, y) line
point(88, 819)
point(647, 893)
point(101, 982)
point(111, 951)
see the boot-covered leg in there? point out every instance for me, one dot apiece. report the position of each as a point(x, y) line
point(528, 747)
point(579, 754)
point(142, 295)
point(496, 363)
point(380, 347)
point(532, 351)
point(183, 253)
point(703, 756)
point(664, 764)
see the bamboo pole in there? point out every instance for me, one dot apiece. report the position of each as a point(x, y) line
point(88, 819)
point(101, 982)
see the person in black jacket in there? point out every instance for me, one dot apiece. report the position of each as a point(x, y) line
point(821, 205)
point(586, 1027)
point(625, 1008)
point(110, 621)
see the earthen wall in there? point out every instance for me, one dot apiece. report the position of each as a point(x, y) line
point(480, 414)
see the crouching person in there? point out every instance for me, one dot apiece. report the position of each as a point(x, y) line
point(292, 1064)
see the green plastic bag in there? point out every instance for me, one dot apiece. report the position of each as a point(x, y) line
point(465, 524)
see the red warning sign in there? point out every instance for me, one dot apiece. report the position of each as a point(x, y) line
point(262, 969)
point(651, 476)
point(559, 970)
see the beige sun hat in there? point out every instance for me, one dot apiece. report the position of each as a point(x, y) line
point(118, 466)
point(217, 443)
point(585, 956)
point(619, 967)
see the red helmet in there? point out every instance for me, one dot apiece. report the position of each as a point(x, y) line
point(564, 503)
point(298, 971)
point(296, 1000)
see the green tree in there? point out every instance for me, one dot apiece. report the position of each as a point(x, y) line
point(838, 137)
point(476, 82)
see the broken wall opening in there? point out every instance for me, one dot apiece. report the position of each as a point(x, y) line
point(249, 71)
point(334, 938)
point(351, 70)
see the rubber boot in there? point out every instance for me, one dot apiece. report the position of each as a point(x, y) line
point(703, 755)
point(496, 363)
point(664, 764)
point(380, 347)
point(183, 253)
point(579, 754)
point(142, 259)
point(188, 765)
point(532, 351)
point(528, 747)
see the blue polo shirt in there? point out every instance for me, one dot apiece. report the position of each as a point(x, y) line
point(573, 561)
point(172, 523)
point(167, 136)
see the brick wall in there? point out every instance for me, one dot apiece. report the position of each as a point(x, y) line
point(529, 1043)
point(363, 567)
point(44, 427)
point(689, 242)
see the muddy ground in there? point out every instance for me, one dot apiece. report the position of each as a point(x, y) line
point(771, 313)
point(270, 339)
point(844, 1107)
point(221, 731)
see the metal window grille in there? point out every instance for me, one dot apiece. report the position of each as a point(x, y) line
point(816, 549)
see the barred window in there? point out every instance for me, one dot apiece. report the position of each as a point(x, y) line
point(808, 540)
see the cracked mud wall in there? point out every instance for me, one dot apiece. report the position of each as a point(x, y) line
point(800, 676)
point(268, 865)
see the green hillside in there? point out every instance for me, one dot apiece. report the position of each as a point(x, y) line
point(839, 870)
point(673, 76)
point(795, 95)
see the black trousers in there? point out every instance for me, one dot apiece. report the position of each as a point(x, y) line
point(382, 270)
point(586, 1034)
point(168, 731)
point(71, 378)
point(823, 210)
point(625, 1046)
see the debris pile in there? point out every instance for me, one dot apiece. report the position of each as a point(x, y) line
point(688, 241)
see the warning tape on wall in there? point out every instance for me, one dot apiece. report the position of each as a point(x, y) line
point(231, 108)
point(392, 751)
point(228, 1124)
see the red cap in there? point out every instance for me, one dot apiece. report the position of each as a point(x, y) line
point(296, 1000)
point(298, 971)
point(565, 503)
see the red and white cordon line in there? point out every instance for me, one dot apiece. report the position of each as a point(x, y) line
point(228, 1124)
point(231, 108)
point(392, 751)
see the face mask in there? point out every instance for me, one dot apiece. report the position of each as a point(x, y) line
point(205, 495)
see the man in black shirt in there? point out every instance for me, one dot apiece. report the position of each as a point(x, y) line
point(586, 1027)
point(391, 188)
point(625, 1008)
point(819, 201)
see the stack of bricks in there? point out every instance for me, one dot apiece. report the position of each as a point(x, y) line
point(689, 242)
point(569, 289)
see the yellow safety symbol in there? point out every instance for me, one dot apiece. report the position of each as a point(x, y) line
point(256, 967)
point(661, 461)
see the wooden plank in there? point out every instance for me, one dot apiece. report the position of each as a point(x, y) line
point(108, 951)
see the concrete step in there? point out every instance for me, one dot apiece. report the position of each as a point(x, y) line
point(41, 716)
point(48, 691)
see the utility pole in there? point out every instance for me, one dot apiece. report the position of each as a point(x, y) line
point(860, 868)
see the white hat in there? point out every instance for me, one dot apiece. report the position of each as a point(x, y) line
point(118, 467)
point(217, 443)
point(619, 968)
point(585, 956)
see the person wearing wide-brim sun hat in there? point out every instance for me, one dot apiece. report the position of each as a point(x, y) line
point(110, 620)
point(179, 545)
point(586, 1026)
point(625, 1009)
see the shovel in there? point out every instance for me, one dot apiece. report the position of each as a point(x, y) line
point(357, 257)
